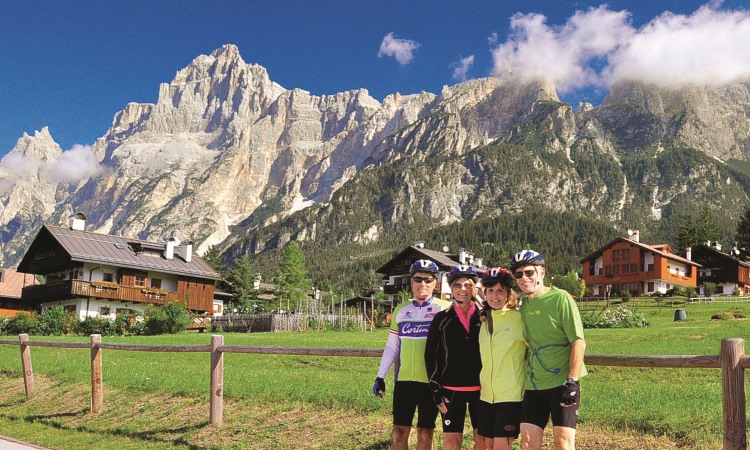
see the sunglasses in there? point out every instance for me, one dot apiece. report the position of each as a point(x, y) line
point(528, 272)
point(422, 279)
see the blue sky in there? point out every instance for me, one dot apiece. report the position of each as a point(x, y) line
point(72, 65)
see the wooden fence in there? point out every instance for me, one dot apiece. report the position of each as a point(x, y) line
point(732, 361)
point(253, 323)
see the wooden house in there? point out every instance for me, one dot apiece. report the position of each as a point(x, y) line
point(93, 274)
point(730, 271)
point(628, 265)
point(11, 287)
point(396, 271)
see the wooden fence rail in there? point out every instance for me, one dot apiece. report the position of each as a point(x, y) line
point(732, 361)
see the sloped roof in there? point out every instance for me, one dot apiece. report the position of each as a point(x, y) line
point(444, 260)
point(13, 283)
point(88, 247)
point(659, 249)
point(721, 254)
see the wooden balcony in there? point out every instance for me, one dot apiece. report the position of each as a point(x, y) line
point(69, 289)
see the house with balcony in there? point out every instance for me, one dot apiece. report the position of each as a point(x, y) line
point(93, 274)
point(396, 271)
point(11, 287)
point(626, 264)
point(730, 271)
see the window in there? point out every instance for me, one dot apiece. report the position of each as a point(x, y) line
point(156, 283)
point(650, 268)
point(615, 270)
point(70, 308)
point(625, 269)
point(633, 268)
point(104, 311)
point(218, 309)
point(608, 271)
point(615, 255)
point(626, 254)
point(140, 280)
point(2, 275)
point(108, 277)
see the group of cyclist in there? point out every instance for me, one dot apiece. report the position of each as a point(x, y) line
point(512, 360)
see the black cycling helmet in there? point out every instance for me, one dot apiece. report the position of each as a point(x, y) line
point(525, 258)
point(497, 275)
point(462, 271)
point(424, 265)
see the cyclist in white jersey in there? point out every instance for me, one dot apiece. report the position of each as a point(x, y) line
point(406, 342)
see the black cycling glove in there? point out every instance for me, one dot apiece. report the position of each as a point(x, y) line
point(378, 389)
point(570, 393)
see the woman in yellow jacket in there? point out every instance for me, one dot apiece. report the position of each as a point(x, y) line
point(503, 351)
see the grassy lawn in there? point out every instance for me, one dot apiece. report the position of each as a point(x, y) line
point(159, 400)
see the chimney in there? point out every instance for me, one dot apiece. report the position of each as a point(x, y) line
point(689, 254)
point(419, 244)
point(636, 236)
point(462, 256)
point(478, 262)
point(189, 251)
point(78, 221)
point(169, 250)
point(717, 246)
point(471, 259)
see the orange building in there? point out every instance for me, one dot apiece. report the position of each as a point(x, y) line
point(629, 265)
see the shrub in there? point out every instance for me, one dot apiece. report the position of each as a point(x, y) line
point(131, 324)
point(709, 289)
point(53, 322)
point(620, 317)
point(691, 292)
point(171, 318)
point(626, 295)
point(98, 325)
point(723, 316)
point(22, 323)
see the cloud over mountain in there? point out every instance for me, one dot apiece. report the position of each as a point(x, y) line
point(599, 47)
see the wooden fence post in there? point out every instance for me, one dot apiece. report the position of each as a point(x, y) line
point(217, 380)
point(97, 392)
point(733, 387)
point(28, 373)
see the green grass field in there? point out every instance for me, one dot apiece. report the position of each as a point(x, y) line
point(274, 401)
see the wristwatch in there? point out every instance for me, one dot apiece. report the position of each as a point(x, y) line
point(572, 380)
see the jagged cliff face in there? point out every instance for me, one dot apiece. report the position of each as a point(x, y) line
point(225, 152)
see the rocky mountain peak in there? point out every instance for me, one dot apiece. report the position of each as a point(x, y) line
point(40, 146)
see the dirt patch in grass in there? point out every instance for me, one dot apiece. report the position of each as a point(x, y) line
point(58, 417)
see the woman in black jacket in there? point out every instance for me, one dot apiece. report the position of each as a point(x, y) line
point(453, 361)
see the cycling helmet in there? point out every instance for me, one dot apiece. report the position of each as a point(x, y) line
point(525, 258)
point(462, 271)
point(497, 275)
point(424, 265)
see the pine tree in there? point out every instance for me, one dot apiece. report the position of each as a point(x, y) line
point(292, 277)
point(742, 236)
point(241, 279)
point(698, 230)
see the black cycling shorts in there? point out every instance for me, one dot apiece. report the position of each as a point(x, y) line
point(453, 420)
point(499, 420)
point(538, 406)
point(408, 396)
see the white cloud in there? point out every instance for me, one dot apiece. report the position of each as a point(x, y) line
point(709, 47)
point(562, 54)
point(461, 68)
point(76, 164)
point(22, 167)
point(401, 49)
point(598, 47)
point(492, 40)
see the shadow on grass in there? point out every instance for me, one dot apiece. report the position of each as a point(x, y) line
point(381, 445)
point(147, 435)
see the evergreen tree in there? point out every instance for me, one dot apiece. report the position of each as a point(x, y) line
point(292, 277)
point(241, 280)
point(698, 230)
point(742, 236)
point(213, 258)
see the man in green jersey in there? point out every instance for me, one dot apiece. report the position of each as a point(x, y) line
point(554, 333)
